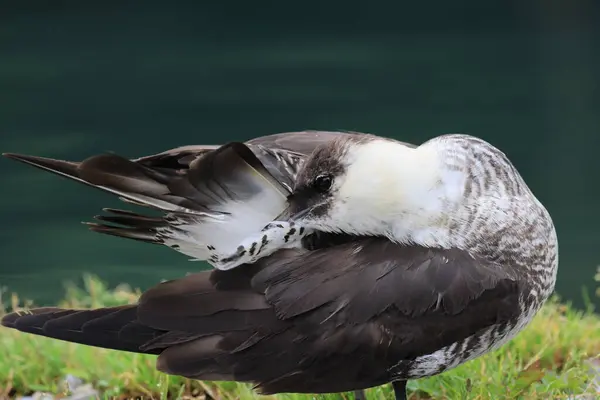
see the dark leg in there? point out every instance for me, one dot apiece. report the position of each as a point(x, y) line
point(359, 395)
point(399, 390)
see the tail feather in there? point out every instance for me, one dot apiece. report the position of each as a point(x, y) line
point(142, 235)
point(131, 219)
point(72, 170)
point(211, 199)
point(131, 226)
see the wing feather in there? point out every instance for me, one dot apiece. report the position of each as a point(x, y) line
point(299, 321)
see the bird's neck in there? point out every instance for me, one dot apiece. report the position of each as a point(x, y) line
point(413, 196)
point(432, 196)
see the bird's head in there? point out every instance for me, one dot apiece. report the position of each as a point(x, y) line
point(365, 185)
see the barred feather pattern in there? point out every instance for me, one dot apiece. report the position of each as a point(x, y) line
point(503, 221)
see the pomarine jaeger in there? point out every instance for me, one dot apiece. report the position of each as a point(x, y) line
point(343, 261)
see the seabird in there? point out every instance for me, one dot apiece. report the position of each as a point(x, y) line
point(382, 262)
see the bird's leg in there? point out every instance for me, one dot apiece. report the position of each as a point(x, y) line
point(360, 395)
point(275, 236)
point(399, 390)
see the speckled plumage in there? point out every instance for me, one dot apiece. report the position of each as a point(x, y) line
point(415, 260)
point(485, 208)
point(504, 222)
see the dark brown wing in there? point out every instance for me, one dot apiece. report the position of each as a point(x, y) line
point(363, 306)
point(330, 320)
point(413, 279)
point(111, 328)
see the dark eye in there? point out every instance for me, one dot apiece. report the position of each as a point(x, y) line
point(323, 183)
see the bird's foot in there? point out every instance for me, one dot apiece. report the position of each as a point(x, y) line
point(275, 236)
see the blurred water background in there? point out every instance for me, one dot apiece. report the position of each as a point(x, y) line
point(79, 78)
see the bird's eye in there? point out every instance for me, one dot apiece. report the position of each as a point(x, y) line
point(323, 183)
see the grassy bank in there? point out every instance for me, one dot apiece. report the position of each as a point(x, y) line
point(548, 360)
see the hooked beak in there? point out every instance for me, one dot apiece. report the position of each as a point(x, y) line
point(296, 210)
point(291, 215)
point(299, 215)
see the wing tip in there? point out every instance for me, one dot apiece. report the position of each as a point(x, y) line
point(16, 156)
point(11, 319)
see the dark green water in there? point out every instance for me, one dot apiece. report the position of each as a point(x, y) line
point(81, 79)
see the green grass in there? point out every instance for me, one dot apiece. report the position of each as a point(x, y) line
point(548, 360)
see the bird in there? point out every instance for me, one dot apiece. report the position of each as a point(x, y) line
point(406, 260)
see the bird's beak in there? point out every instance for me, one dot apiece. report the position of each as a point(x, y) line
point(299, 215)
point(290, 215)
point(295, 210)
